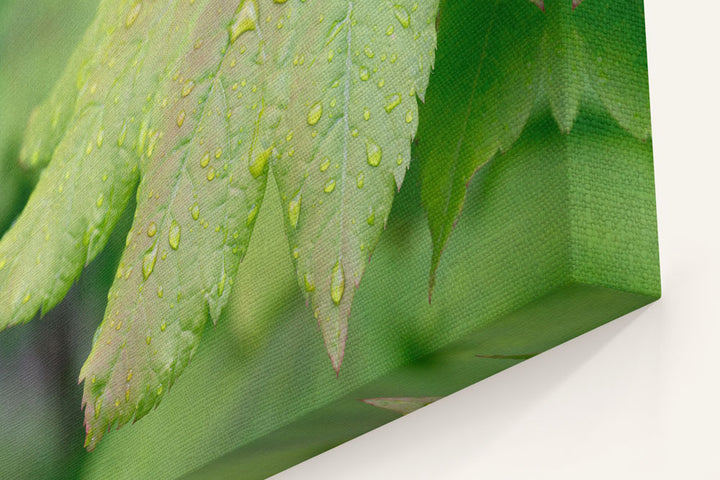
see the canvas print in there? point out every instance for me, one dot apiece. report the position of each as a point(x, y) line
point(237, 233)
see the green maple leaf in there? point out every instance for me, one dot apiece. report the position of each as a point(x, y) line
point(354, 80)
point(401, 405)
point(514, 55)
point(189, 105)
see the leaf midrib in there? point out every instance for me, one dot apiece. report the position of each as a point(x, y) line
point(346, 124)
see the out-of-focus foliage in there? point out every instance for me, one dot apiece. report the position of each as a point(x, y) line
point(515, 54)
point(38, 365)
point(36, 39)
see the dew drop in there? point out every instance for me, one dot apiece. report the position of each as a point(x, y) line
point(309, 285)
point(364, 74)
point(122, 135)
point(408, 117)
point(402, 15)
point(314, 114)
point(195, 211)
point(129, 375)
point(329, 186)
point(151, 144)
point(371, 218)
point(205, 160)
point(99, 201)
point(211, 174)
point(149, 262)
point(392, 102)
point(324, 166)
point(152, 229)
point(245, 19)
point(252, 214)
point(294, 209)
point(218, 153)
point(98, 406)
point(334, 31)
point(163, 326)
point(337, 283)
point(174, 235)
point(187, 88)
point(361, 179)
point(148, 339)
point(132, 15)
point(368, 51)
point(374, 154)
point(160, 291)
point(26, 298)
point(257, 166)
point(366, 114)
point(181, 118)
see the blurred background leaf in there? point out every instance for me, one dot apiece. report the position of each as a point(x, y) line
point(39, 402)
point(36, 40)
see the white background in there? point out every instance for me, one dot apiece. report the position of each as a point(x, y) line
point(637, 398)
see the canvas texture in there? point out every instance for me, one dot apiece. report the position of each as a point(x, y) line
point(503, 180)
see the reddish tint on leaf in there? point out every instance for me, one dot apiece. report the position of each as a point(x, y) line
point(401, 405)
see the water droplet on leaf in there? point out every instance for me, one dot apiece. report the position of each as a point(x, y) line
point(337, 283)
point(392, 102)
point(315, 114)
point(149, 262)
point(245, 19)
point(257, 166)
point(294, 209)
point(187, 88)
point(374, 153)
point(329, 186)
point(402, 15)
point(174, 235)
